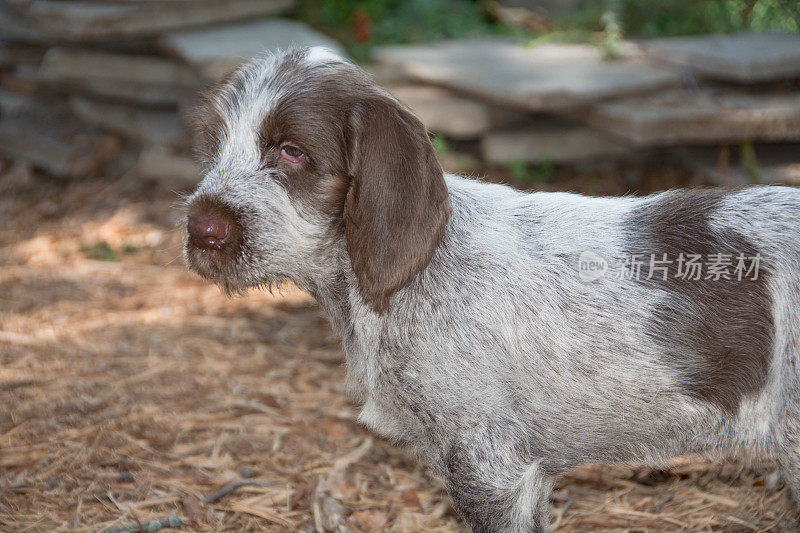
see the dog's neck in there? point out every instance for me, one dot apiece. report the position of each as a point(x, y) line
point(333, 288)
point(334, 283)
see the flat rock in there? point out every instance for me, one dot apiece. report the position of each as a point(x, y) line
point(453, 116)
point(743, 57)
point(217, 51)
point(147, 126)
point(387, 76)
point(786, 174)
point(70, 63)
point(139, 79)
point(14, 54)
point(14, 29)
point(553, 140)
point(700, 116)
point(87, 21)
point(776, 164)
point(538, 78)
point(13, 102)
point(159, 164)
point(459, 162)
point(50, 139)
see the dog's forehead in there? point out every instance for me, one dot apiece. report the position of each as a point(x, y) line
point(254, 91)
point(263, 81)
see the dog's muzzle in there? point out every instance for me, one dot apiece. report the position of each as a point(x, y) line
point(214, 234)
point(208, 230)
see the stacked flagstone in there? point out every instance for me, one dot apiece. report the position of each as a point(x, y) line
point(566, 103)
point(81, 80)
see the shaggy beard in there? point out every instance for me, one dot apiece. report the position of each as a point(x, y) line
point(236, 288)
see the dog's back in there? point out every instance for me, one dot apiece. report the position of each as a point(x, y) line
point(639, 362)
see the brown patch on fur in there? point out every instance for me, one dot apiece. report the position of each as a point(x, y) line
point(716, 334)
point(313, 121)
point(368, 164)
point(397, 205)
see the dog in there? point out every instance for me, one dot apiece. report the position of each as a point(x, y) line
point(504, 336)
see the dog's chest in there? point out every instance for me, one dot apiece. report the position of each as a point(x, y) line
point(387, 409)
point(384, 420)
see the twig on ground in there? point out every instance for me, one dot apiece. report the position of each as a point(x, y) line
point(148, 527)
point(328, 512)
point(214, 497)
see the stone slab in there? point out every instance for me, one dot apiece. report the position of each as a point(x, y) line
point(547, 77)
point(159, 164)
point(787, 174)
point(217, 51)
point(700, 116)
point(453, 116)
point(12, 102)
point(139, 79)
point(147, 126)
point(135, 93)
point(459, 162)
point(777, 164)
point(14, 29)
point(14, 54)
point(387, 76)
point(78, 63)
point(98, 21)
point(743, 57)
point(50, 139)
point(553, 140)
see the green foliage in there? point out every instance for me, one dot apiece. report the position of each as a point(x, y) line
point(678, 17)
point(530, 173)
point(749, 161)
point(612, 35)
point(602, 21)
point(440, 144)
point(101, 251)
point(652, 18)
point(361, 25)
point(569, 35)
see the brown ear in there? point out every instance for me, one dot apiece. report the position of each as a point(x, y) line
point(397, 204)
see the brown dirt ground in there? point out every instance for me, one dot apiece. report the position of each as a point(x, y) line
point(130, 390)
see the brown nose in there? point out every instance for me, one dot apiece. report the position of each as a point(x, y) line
point(208, 231)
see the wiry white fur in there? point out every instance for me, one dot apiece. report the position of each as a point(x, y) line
point(245, 111)
point(319, 55)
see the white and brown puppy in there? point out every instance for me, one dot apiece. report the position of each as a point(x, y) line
point(504, 336)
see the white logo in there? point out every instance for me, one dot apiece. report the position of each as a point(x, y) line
point(591, 266)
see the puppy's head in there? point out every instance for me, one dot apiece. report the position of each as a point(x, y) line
point(304, 156)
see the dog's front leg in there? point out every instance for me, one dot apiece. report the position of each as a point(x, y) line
point(494, 491)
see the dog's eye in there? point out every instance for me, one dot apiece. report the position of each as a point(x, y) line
point(291, 153)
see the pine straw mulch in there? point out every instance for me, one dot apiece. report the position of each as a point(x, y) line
point(131, 391)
